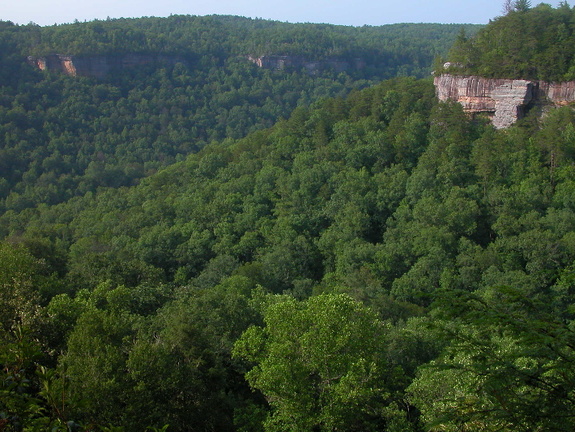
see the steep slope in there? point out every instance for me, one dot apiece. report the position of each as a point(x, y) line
point(504, 100)
point(381, 261)
point(522, 60)
point(165, 88)
point(387, 198)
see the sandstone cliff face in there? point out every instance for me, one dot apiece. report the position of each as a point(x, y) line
point(557, 93)
point(505, 100)
point(98, 66)
point(312, 67)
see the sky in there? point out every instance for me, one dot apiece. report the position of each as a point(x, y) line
point(344, 12)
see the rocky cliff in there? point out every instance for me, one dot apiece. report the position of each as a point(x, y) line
point(504, 99)
point(100, 65)
point(562, 93)
point(312, 67)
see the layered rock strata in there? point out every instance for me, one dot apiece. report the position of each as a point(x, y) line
point(98, 66)
point(277, 62)
point(562, 93)
point(504, 99)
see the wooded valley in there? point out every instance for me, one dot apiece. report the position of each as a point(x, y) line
point(223, 247)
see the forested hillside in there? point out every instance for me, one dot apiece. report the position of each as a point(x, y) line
point(527, 43)
point(64, 136)
point(378, 261)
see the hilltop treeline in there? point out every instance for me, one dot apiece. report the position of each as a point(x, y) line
point(526, 43)
point(375, 261)
point(62, 136)
point(412, 45)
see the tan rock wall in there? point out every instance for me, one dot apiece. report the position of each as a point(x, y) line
point(506, 100)
point(558, 93)
point(100, 65)
point(282, 62)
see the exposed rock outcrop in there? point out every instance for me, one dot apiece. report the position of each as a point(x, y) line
point(98, 66)
point(561, 93)
point(504, 99)
point(312, 67)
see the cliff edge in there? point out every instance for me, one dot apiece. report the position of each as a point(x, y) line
point(98, 66)
point(505, 100)
point(277, 62)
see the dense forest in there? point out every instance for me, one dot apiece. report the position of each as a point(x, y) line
point(527, 43)
point(63, 137)
point(374, 261)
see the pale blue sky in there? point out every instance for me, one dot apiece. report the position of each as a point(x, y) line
point(347, 12)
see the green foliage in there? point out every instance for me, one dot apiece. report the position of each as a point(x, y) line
point(211, 38)
point(62, 137)
point(20, 275)
point(319, 364)
point(508, 365)
point(347, 255)
point(526, 43)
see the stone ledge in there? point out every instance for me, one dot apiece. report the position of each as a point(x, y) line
point(98, 66)
point(506, 99)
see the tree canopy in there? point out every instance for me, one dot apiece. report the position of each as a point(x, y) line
point(372, 261)
point(526, 43)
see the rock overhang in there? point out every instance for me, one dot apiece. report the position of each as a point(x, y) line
point(506, 100)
